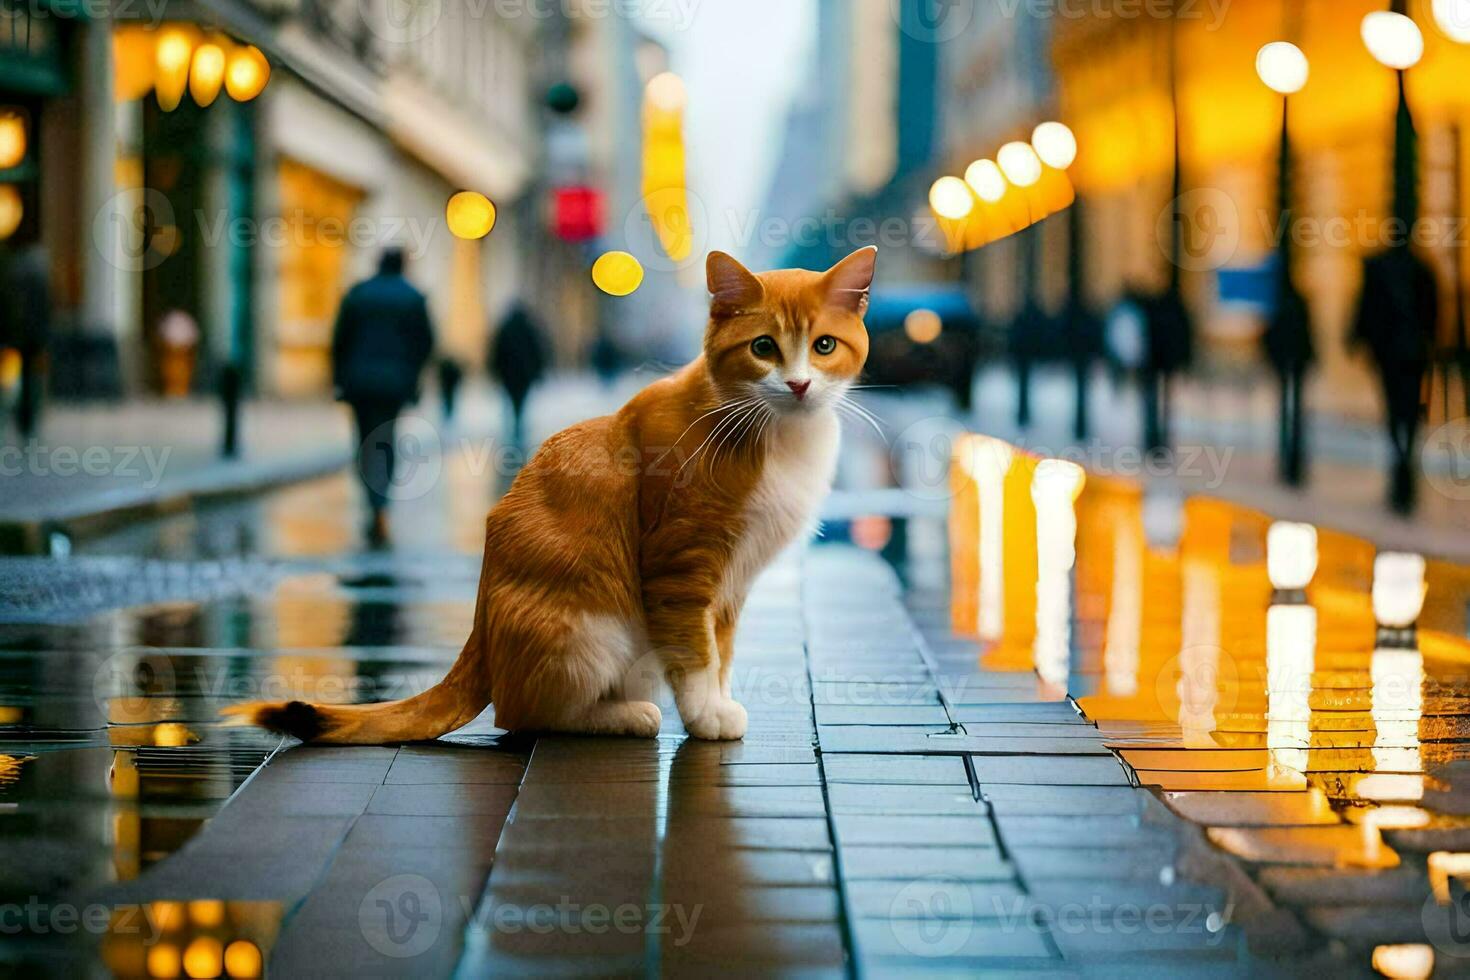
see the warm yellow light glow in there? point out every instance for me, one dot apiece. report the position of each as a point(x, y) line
point(171, 59)
point(204, 957)
point(1443, 864)
point(923, 326)
point(242, 959)
point(12, 138)
point(1020, 164)
point(1291, 554)
point(1383, 787)
point(12, 210)
point(1394, 40)
point(208, 913)
point(1398, 589)
point(617, 273)
point(246, 73)
point(1055, 144)
point(172, 734)
point(164, 960)
point(207, 73)
point(986, 180)
point(1283, 67)
point(1407, 961)
point(950, 198)
point(666, 92)
point(1453, 17)
point(167, 916)
point(470, 215)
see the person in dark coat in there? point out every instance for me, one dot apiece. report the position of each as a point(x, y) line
point(27, 328)
point(1288, 345)
point(1169, 333)
point(381, 343)
point(1397, 320)
point(518, 360)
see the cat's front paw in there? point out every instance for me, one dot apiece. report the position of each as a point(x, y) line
point(721, 720)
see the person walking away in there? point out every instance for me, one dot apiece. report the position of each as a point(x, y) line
point(1397, 321)
point(381, 343)
point(518, 360)
point(1169, 332)
point(1288, 346)
point(450, 375)
point(27, 295)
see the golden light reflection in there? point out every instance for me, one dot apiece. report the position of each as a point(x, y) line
point(12, 210)
point(923, 326)
point(204, 958)
point(246, 73)
point(171, 58)
point(1055, 486)
point(665, 184)
point(243, 959)
point(207, 73)
point(10, 767)
point(617, 273)
point(470, 215)
point(12, 138)
point(1406, 961)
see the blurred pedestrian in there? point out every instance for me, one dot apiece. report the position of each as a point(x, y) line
point(607, 358)
point(1169, 332)
point(1288, 344)
point(382, 341)
point(518, 360)
point(27, 328)
point(450, 375)
point(1397, 318)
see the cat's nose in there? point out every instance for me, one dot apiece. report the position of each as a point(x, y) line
point(798, 388)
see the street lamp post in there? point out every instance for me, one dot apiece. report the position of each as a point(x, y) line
point(1283, 68)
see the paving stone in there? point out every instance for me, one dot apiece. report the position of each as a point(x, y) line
point(1370, 925)
point(1090, 831)
point(1253, 809)
point(902, 799)
point(941, 896)
point(443, 800)
point(1306, 846)
point(1322, 887)
point(1051, 712)
point(804, 833)
point(979, 945)
point(917, 714)
point(764, 866)
point(899, 862)
point(413, 767)
point(1049, 770)
point(1020, 799)
point(1038, 864)
point(911, 769)
point(915, 831)
point(737, 947)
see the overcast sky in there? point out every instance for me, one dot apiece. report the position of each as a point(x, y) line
point(742, 61)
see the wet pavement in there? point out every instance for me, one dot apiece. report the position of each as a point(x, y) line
point(1019, 721)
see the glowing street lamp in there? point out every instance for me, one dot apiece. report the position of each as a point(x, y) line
point(950, 198)
point(1283, 67)
point(1020, 164)
point(986, 180)
point(246, 73)
point(171, 58)
point(1393, 39)
point(1055, 145)
point(12, 138)
point(207, 73)
point(1453, 17)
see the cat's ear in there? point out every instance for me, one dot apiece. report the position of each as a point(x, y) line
point(848, 281)
point(732, 287)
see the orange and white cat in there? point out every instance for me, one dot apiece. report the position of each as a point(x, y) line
point(638, 534)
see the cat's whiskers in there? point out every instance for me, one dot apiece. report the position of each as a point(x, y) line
point(742, 425)
point(853, 410)
point(730, 405)
point(745, 406)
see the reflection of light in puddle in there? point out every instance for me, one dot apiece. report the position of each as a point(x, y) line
point(988, 462)
point(1390, 817)
point(205, 938)
point(1291, 650)
point(1054, 489)
point(1407, 961)
point(1390, 787)
point(1124, 630)
point(1443, 865)
point(1398, 706)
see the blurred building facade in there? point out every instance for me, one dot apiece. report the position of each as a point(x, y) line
point(251, 218)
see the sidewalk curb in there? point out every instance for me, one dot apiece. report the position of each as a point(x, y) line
point(31, 535)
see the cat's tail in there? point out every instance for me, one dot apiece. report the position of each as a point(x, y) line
point(452, 703)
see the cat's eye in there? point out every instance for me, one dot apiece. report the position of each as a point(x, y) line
point(763, 347)
point(825, 345)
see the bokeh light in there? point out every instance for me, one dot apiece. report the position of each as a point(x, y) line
point(12, 138)
point(617, 273)
point(1394, 40)
point(986, 180)
point(1055, 144)
point(171, 60)
point(207, 73)
point(1020, 164)
point(164, 960)
point(923, 326)
point(204, 957)
point(12, 210)
point(1283, 67)
point(1453, 18)
point(950, 198)
point(666, 92)
point(246, 73)
point(470, 215)
point(242, 959)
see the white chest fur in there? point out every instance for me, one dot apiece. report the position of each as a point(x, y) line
point(796, 477)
